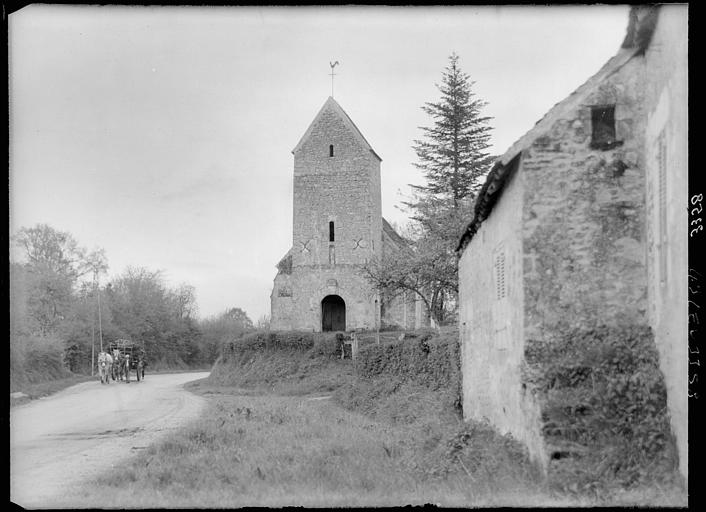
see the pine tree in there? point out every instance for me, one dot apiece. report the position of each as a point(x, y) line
point(454, 159)
point(453, 154)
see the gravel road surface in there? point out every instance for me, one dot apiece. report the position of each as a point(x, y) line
point(62, 440)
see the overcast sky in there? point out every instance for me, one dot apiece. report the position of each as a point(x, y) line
point(164, 134)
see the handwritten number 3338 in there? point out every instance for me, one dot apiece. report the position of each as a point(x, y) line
point(700, 227)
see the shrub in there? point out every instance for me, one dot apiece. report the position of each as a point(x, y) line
point(484, 454)
point(404, 380)
point(428, 359)
point(35, 359)
point(604, 407)
point(289, 362)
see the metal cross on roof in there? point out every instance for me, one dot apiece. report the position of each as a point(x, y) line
point(333, 65)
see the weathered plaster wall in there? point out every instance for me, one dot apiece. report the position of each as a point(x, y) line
point(491, 308)
point(583, 216)
point(667, 218)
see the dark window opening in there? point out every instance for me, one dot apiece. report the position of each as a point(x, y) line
point(330, 232)
point(330, 150)
point(603, 128)
point(333, 313)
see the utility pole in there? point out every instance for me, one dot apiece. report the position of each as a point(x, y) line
point(96, 287)
point(93, 329)
point(100, 325)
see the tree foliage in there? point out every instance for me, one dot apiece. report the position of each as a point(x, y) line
point(56, 295)
point(220, 329)
point(52, 264)
point(453, 157)
point(142, 307)
point(453, 154)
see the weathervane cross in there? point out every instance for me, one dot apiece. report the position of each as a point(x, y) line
point(333, 65)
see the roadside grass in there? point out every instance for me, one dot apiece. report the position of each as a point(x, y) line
point(286, 427)
point(46, 388)
point(289, 372)
point(264, 450)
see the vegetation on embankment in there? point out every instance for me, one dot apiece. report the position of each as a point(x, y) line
point(409, 383)
point(402, 380)
point(604, 408)
point(268, 450)
point(33, 361)
point(291, 363)
point(290, 423)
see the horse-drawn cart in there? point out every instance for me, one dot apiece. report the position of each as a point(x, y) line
point(127, 355)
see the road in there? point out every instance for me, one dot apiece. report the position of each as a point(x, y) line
point(59, 441)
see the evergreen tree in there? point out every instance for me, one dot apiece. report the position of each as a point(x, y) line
point(453, 153)
point(454, 159)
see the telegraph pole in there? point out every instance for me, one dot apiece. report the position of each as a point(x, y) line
point(96, 287)
point(100, 325)
point(93, 344)
point(93, 331)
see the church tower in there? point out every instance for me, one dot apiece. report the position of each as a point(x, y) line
point(337, 228)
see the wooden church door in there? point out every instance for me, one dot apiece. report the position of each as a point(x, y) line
point(333, 313)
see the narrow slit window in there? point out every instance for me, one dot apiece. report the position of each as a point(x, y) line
point(330, 232)
point(330, 150)
point(603, 127)
point(332, 255)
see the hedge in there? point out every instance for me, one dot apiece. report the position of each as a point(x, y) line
point(317, 344)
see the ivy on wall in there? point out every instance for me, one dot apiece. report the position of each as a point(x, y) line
point(604, 407)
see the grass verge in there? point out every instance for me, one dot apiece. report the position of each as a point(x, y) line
point(289, 424)
point(264, 450)
point(41, 389)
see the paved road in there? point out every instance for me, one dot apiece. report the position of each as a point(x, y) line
point(58, 441)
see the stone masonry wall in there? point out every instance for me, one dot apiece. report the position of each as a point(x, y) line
point(339, 189)
point(302, 311)
point(343, 189)
point(667, 194)
point(583, 217)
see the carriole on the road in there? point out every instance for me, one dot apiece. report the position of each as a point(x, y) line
point(136, 352)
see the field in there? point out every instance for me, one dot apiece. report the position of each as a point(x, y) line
point(293, 437)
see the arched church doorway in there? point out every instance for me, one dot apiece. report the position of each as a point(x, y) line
point(333, 313)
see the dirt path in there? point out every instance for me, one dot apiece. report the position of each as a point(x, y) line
point(59, 441)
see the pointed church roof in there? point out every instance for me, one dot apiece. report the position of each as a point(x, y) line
point(333, 105)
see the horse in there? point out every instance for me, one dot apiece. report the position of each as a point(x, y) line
point(126, 367)
point(105, 364)
point(117, 358)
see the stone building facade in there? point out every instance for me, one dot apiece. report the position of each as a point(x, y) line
point(563, 236)
point(666, 169)
point(337, 228)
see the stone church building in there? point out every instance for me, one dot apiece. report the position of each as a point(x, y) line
point(337, 229)
point(583, 222)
